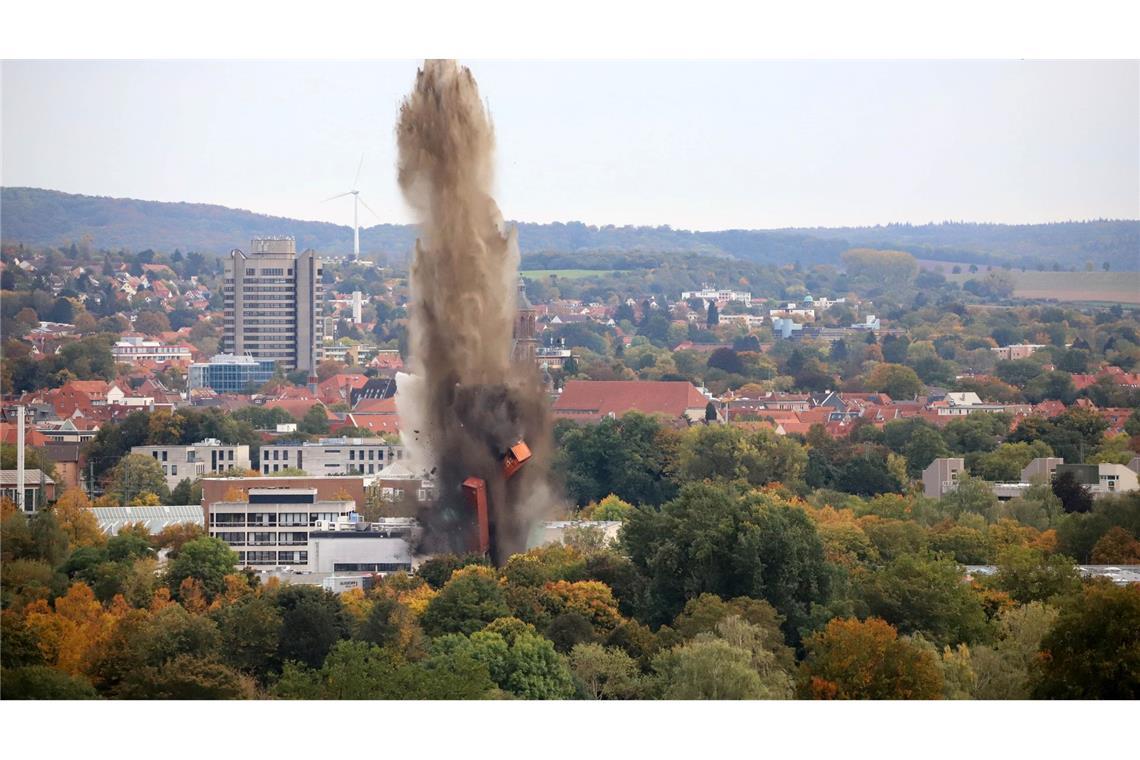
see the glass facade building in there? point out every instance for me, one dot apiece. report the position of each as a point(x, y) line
point(226, 373)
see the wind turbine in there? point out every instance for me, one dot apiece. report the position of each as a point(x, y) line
point(356, 202)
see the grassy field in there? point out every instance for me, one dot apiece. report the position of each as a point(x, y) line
point(568, 274)
point(1106, 287)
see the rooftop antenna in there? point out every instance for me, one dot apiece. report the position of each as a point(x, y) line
point(356, 202)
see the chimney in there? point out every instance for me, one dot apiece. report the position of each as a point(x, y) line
point(20, 458)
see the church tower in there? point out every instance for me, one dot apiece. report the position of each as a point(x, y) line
point(526, 344)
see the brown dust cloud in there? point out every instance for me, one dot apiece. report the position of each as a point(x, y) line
point(468, 401)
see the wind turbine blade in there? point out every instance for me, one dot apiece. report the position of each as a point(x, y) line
point(326, 200)
point(356, 179)
point(362, 203)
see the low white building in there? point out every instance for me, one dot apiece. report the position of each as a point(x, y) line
point(358, 547)
point(556, 531)
point(133, 348)
point(716, 295)
point(331, 456)
point(751, 321)
point(1017, 350)
point(196, 459)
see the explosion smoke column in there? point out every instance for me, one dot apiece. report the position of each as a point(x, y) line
point(470, 401)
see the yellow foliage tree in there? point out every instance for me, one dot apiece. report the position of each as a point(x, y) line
point(73, 513)
point(592, 600)
point(73, 633)
point(146, 499)
point(356, 604)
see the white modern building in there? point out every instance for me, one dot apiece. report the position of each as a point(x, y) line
point(351, 546)
point(715, 295)
point(133, 348)
point(331, 456)
point(273, 527)
point(197, 459)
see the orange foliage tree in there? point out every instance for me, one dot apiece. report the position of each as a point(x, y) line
point(852, 659)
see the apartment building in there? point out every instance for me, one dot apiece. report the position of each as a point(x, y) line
point(197, 459)
point(272, 301)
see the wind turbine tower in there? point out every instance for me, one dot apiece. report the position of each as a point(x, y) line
point(357, 201)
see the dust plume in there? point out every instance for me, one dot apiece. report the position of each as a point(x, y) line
point(471, 401)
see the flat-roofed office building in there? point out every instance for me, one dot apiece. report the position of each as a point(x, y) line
point(272, 528)
point(331, 456)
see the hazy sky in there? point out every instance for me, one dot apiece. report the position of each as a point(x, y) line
point(692, 145)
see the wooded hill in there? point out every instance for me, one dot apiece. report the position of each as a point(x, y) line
point(37, 217)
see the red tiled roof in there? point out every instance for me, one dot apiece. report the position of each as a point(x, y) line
point(375, 406)
point(377, 423)
point(9, 433)
point(297, 407)
point(594, 399)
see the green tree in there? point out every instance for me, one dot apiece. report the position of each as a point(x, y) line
point(1029, 575)
point(1005, 463)
point(890, 270)
point(315, 421)
point(135, 475)
point(604, 672)
point(471, 599)
point(42, 682)
point(895, 380)
point(630, 457)
point(924, 594)
point(1093, 650)
point(312, 621)
point(206, 560)
point(1002, 670)
point(720, 452)
point(707, 669)
point(716, 539)
point(251, 629)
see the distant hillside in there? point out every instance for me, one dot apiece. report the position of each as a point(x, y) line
point(49, 218)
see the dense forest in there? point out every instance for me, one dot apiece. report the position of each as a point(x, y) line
point(38, 217)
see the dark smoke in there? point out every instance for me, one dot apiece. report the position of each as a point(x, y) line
point(471, 401)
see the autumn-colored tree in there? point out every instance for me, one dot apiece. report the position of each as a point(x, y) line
point(174, 537)
point(235, 494)
point(591, 599)
point(852, 659)
point(192, 596)
point(73, 513)
point(73, 633)
point(1116, 547)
